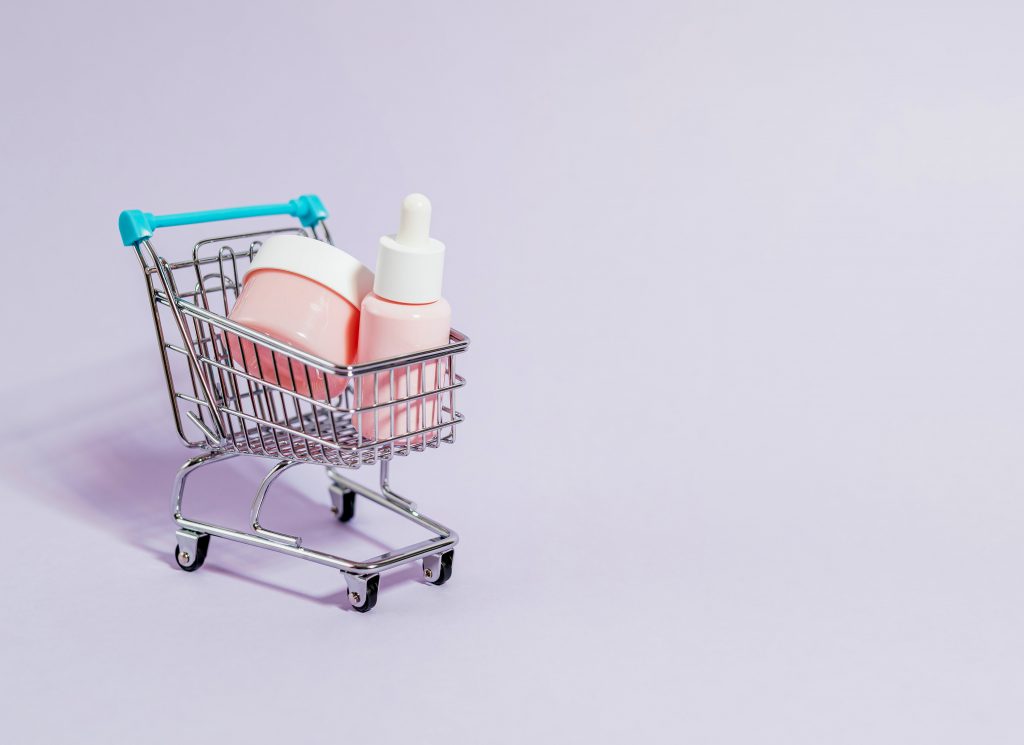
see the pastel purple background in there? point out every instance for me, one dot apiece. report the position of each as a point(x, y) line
point(742, 453)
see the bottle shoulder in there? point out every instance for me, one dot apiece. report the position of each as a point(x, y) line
point(377, 306)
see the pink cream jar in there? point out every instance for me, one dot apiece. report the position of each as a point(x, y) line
point(307, 294)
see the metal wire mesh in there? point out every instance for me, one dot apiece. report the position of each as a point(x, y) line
point(273, 400)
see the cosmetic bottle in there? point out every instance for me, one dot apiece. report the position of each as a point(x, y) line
point(405, 313)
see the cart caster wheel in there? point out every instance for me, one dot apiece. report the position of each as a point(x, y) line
point(365, 598)
point(438, 569)
point(192, 560)
point(345, 506)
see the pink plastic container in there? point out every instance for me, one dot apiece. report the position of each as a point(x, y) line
point(389, 329)
point(307, 294)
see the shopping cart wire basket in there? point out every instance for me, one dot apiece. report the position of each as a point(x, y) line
point(284, 404)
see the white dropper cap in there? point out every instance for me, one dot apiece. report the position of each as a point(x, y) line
point(410, 265)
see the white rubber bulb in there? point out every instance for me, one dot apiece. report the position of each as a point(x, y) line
point(414, 224)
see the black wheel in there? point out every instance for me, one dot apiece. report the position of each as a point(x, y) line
point(348, 506)
point(444, 572)
point(191, 563)
point(372, 584)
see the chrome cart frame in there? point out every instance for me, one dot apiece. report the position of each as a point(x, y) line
point(275, 401)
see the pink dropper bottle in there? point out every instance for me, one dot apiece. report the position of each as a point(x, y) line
point(405, 313)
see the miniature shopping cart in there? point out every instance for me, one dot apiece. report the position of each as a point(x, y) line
point(227, 407)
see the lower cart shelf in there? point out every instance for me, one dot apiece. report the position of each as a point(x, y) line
point(362, 576)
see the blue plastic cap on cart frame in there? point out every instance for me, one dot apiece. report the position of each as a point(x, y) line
point(309, 209)
point(134, 227)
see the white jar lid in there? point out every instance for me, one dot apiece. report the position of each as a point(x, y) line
point(319, 261)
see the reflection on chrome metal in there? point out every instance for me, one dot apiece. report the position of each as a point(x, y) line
point(188, 546)
point(432, 566)
point(228, 407)
point(257, 505)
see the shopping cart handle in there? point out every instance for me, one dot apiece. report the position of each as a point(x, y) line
point(136, 226)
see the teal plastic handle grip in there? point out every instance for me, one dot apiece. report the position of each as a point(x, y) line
point(137, 226)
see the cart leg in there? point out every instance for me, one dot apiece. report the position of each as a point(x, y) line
point(437, 568)
point(257, 505)
point(190, 551)
point(343, 499)
point(385, 487)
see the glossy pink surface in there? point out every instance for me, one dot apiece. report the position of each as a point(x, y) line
point(389, 329)
point(303, 314)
